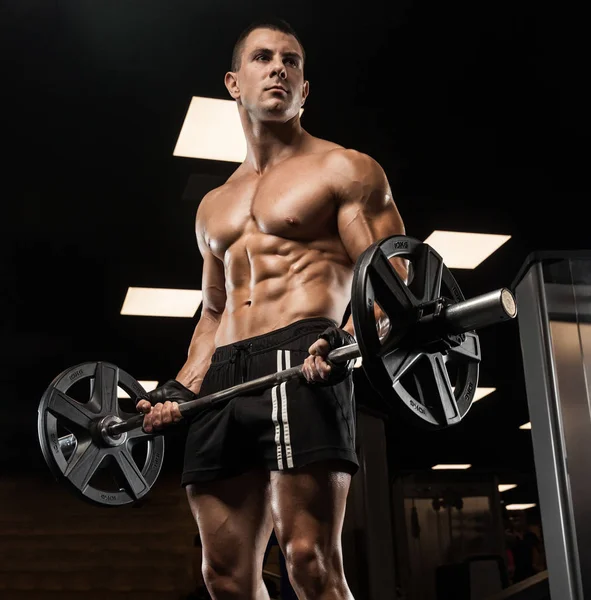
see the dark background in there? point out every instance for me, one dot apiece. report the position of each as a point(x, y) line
point(478, 112)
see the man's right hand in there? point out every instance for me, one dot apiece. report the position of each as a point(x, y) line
point(158, 416)
point(161, 406)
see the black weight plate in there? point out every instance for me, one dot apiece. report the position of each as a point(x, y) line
point(100, 474)
point(421, 379)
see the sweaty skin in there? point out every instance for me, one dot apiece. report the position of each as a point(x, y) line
point(279, 242)
point(282, 246)
point(282, 241)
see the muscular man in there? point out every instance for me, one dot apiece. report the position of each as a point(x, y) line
point(279, 242)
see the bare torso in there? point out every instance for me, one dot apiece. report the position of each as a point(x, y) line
point(277, 237)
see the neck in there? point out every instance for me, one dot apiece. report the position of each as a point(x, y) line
point(270, 142)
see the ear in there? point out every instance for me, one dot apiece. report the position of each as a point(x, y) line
point(305, 91)
point(231, 81)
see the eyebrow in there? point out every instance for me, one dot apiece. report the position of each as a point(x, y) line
point(269, 51)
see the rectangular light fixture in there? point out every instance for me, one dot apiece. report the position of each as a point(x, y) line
point(525, 426)
point(463, 250)
point(519, 506)
point(147, 385)
point(161, 302)
point(450, 467)
point(504, 487)
point(481, 392)
point(211, 130)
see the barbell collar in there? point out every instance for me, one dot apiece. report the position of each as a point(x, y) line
point(104, 434)
point(480, 312)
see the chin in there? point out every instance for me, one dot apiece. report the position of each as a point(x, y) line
point(278, 113)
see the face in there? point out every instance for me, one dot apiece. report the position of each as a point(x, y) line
point(270, 82)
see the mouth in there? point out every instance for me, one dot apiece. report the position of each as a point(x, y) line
point(276, 88)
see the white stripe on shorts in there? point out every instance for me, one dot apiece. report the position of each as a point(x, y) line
point(284, 418)
point(274, 417)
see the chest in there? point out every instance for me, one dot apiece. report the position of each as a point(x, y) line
point(295, 204)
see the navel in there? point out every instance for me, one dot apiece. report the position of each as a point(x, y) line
point(291, 221)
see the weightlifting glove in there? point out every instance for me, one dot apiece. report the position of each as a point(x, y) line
point(337, 337)
point(172, 390)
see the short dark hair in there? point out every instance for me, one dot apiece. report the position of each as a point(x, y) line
point(270, 23)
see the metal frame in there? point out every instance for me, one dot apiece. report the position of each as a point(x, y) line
point(550, 398)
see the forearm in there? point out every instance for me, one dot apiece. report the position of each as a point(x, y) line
point(200, 352)
point(382, 323)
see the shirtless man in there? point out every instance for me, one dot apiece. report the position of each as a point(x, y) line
point(279, 242)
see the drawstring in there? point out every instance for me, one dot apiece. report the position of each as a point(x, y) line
point(238, 356)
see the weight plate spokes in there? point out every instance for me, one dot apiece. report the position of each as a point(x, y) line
point(436, 384)
point(71, 419)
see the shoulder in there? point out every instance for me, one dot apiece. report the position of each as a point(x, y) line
point(207, 202)
point(347, 161)
point(351, 167)
point(353, 164)
point(212, 199)
point(354, 174)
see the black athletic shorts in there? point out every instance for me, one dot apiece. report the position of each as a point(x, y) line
point(282, 427)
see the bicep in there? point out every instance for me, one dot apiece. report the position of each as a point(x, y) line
point(213, 284)
point(367, 212)
point(213, 278)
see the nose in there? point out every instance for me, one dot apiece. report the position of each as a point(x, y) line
point(278, 69)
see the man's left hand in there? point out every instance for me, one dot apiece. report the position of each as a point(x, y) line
point(315, 368)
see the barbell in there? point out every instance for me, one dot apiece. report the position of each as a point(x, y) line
point(428, 361)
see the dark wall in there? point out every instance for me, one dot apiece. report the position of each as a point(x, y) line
point(53, 545)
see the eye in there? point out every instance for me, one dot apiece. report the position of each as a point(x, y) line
point(259, 56)
point(292, 62)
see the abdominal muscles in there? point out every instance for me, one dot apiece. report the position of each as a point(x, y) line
point(272, 282)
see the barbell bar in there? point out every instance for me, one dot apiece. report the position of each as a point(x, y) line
point(476, 313)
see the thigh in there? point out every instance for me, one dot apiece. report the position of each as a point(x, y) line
point(234, 521)
point(308, 506)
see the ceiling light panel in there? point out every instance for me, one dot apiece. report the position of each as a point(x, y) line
point(161, 302)
point(463, 250)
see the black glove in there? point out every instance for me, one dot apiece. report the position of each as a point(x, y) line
point(171, 390)
point(336, 338)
